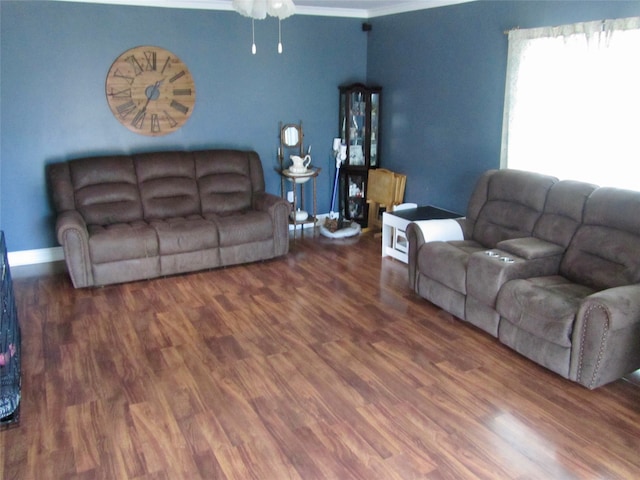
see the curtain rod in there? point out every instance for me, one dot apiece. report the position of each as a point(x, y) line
point(506, 32)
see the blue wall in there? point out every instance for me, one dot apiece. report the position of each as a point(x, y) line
point(55, 57)
point(443, 73)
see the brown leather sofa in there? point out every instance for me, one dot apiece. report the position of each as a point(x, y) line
point(551, 268)
point(132, 217)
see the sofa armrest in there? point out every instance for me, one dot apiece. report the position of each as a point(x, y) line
point(606, 336)
point(267, 202)
point(71, 231)
point(278, 208)
point(530, 248)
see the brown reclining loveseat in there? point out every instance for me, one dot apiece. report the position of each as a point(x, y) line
point(551, 268)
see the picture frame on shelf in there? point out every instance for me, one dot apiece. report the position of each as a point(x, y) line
point(356, 155)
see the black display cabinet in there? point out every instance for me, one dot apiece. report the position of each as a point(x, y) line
point(360, 132)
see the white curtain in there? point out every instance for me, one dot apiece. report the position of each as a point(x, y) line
point(572, 102)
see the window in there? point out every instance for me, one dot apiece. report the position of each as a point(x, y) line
point(572, 102)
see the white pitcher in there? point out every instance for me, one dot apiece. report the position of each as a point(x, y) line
point(300, 164)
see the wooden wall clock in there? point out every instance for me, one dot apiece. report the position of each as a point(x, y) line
point(150, 91)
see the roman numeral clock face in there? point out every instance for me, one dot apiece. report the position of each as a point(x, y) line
point(150, 91)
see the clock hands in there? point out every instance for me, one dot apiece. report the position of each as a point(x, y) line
point(152, 92)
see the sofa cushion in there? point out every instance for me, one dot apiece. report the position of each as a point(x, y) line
point(185, 234)
point(550, 355)
point(167, 184)
point(105, 190)
point(446, 262)
point(605, 251)
point(122, 241)
point(563, 211)
point(514, 201)
point(543, 306)
point(224, 182)
point(243, 227)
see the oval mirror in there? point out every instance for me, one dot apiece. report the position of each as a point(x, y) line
point(290, 136)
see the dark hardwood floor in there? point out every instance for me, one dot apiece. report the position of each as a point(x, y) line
point(319, 365)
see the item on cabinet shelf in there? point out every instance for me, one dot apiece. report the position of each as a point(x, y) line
point(355, 209)
point(356, 156)
point(354, 190)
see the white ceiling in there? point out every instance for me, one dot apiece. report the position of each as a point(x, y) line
point(335, 8)
point(369, 8)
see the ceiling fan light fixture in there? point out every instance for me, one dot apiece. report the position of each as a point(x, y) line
point(280, 8)
point(255, 9)
point(258, 10)
point(253, 37)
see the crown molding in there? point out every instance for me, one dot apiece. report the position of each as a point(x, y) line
point(411, 6)
point(225, 5)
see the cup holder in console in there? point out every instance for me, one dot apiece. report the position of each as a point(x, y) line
point(492, 254)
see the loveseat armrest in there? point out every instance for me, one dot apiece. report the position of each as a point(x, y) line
point(516, 258)
point(466, 226)
point(278, 208)
point(423, 231)
point(489, 270)
point(415, 240)
point(606, 336)
point(72, 234)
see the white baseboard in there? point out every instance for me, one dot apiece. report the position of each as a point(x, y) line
point(56, 254)
point(31, 257)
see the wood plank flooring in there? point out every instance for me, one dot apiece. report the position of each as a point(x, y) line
point(319, 365)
